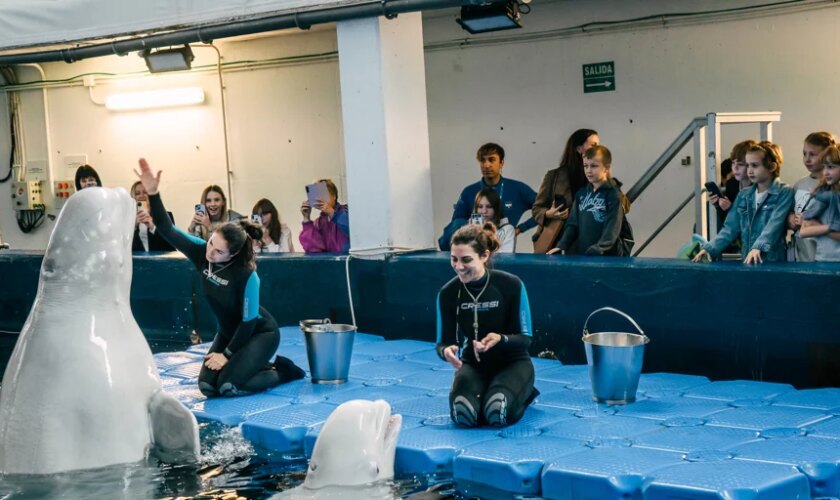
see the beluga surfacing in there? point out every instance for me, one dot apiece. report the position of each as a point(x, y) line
point(81, 389)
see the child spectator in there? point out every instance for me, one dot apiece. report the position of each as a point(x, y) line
point(804, 249)
point(213, 214)
point(86, 177)
point(759, 211)
point(489, 205)
point(821, 219)
point(597, 222)
point(739, 179)
point(330, 232)
point(276, 236)
point(517, 197)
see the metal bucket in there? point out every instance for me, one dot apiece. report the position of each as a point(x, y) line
point(615, 361)
point(329, 348)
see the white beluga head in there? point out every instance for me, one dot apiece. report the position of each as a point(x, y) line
point(82, 390)
point(355, 447)
point(92, 236)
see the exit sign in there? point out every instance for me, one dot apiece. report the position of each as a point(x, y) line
point(599, 77)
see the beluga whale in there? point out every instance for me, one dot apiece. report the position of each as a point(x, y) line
point(353, 457)
point(81, 389)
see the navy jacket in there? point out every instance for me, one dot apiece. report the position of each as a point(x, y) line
point(517, 199)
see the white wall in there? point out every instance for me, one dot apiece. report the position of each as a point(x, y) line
point(285, 123)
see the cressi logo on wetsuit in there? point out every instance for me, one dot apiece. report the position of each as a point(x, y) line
point(215, 279)
point(481, 306)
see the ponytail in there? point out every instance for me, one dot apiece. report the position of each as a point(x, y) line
point(480, 238)
point(240, 236)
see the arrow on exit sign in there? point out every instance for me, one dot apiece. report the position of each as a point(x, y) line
point(598, 77)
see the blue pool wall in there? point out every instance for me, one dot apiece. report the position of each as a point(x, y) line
point(778, 323)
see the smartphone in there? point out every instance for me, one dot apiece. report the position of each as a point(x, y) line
point(199, 209)
point(139, 206)
point(560, 203)
point(477, 219)
point(317, 191)
point(257, 218)
point(713, 188)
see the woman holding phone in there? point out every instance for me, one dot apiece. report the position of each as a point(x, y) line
point(211, 212)
point(330, 232)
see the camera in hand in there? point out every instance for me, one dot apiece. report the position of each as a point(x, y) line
point(713, 188)
point(199, 209)
point(477, 219)
point(257, 219)
point(560, 203)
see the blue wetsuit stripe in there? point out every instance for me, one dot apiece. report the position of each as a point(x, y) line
point(524, 312)
point(191, 237)
point(251, 302)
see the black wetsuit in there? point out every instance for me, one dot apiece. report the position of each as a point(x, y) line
point(496, 388)
point(248, 335)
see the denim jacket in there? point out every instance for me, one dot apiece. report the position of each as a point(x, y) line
point(762, 229)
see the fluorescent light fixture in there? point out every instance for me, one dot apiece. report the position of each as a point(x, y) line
point(163, 98)
point(162, 60)
point(495, 16)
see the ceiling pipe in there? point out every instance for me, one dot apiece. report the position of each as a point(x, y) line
point(302, 20)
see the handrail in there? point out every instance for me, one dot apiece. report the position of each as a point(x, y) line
point(665, 158)
point(665, 223)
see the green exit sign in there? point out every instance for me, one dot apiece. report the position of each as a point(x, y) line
point(599, 77)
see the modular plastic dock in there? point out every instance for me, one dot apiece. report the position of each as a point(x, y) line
point(686, 437)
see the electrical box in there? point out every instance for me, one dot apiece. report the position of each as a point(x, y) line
point(63, 190)
point(27, 195)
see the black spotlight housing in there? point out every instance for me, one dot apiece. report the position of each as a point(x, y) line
point(495, 16)
point(172, 59)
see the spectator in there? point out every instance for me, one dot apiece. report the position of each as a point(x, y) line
point(484, 331)
point(489, 206)
point(739, 180)
point(597, 223)
point(276, 236)
point(330, 232)
point(805, 249)
point(558, 189)
point(146, 238)
point(213, 212)
point(760, 211)
point(516, 196)
point(821, 219)
point(86, 177)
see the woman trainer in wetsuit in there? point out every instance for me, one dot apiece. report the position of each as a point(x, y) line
point(238, 361)
point(484, 331)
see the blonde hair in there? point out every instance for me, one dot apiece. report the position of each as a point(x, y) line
point(831, 155)
point(772, 154)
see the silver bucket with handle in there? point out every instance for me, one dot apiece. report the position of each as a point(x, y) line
point(615, 361)
point(329, 348)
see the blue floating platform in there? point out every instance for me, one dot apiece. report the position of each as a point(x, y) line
point(732, 390)
point(604, 472)
point(729, 479)
point(684, 437)
point(512, 465)
point(818, 458)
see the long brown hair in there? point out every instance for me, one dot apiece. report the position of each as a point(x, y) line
point(495, 202)
point(572, 160)
point(264, 206)
point(223, 215)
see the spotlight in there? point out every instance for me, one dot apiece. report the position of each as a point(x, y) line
point(176, 59)
point(494, 16)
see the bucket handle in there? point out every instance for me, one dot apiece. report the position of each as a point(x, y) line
point(611, 309)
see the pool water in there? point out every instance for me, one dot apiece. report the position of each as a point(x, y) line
point(230, 468)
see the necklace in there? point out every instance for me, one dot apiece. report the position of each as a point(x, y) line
point(210, 272)
point(475, 311)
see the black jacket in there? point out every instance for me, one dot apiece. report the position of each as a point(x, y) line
point(156, 241)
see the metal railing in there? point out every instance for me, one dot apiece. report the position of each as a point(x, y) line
point(706, 133)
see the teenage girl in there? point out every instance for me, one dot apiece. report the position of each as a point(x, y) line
point(804, 249)
point(489, 205)
point(597, 216)
point(759, 212)
point(821, 222)
point(238, 360)
point(484, 331)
